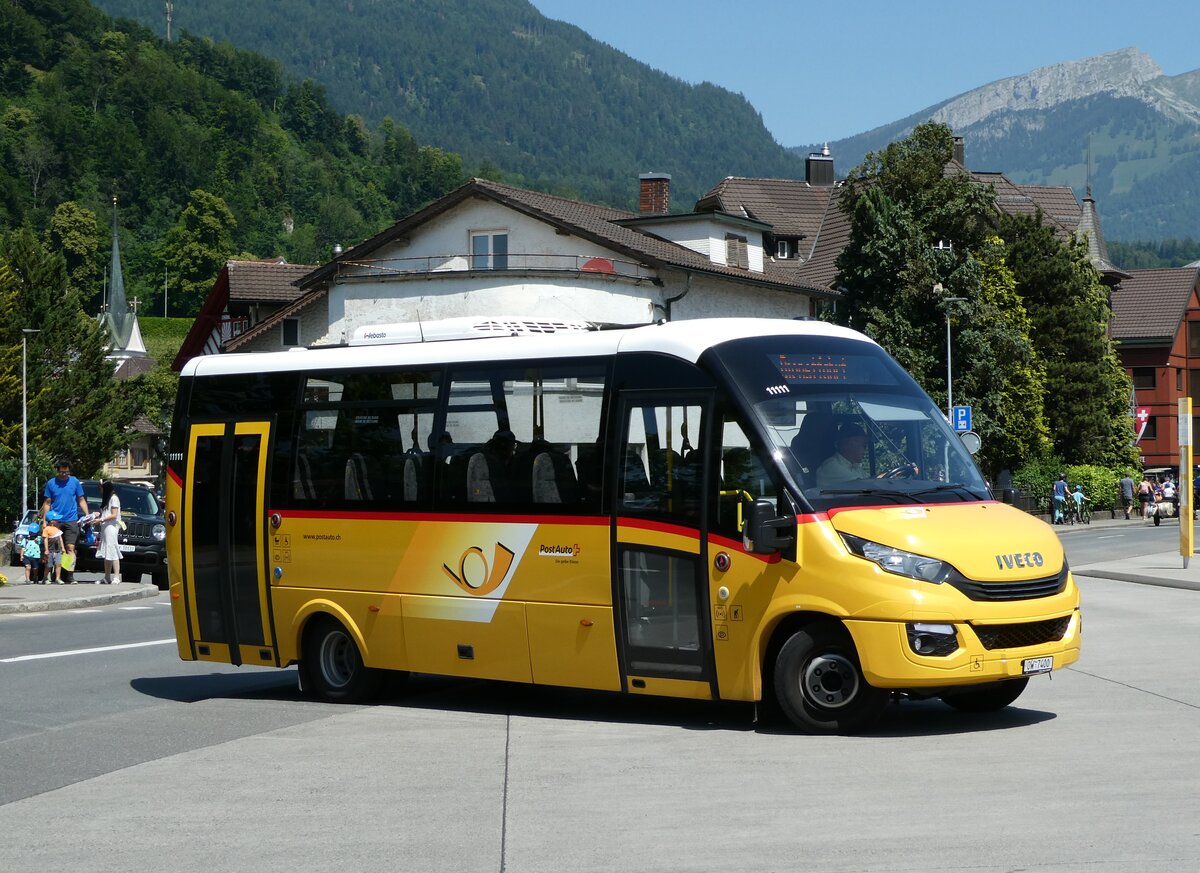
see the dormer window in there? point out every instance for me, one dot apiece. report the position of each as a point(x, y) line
point(785, 248)
point(735, 252)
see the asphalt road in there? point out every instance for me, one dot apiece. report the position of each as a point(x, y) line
point(128, 759)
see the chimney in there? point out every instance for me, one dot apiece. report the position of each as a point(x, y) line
point(960, 150)
point(818, 169)
point(654, 193)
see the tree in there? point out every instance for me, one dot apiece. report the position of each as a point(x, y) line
point(73, 402)
point(923, 249)
point(75, 232)
point(1087, 390)
point(196, 249)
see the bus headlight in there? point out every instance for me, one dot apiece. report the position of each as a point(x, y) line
point(159, 532)
point(899, 561)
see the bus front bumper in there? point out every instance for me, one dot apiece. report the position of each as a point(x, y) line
point(888, 658)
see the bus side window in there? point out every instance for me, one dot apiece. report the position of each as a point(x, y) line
point(743, 479)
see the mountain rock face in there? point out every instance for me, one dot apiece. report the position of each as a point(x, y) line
point(1125, 73)
point(1141, 128)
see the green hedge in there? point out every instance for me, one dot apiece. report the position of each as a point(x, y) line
point(1100, 484)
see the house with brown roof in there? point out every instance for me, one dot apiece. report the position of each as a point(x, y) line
point(1156, 325)
point(810, 230)
point(494, 249)
point(244, 295)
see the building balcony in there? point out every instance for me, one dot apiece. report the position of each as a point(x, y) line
point(511, 263)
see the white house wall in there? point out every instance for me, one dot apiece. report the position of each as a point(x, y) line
point(442, 287)
point(707, 237)
point(396, 295)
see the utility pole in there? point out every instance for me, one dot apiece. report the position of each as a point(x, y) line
point(170, 9)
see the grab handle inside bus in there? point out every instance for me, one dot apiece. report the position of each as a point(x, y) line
point(765, 531)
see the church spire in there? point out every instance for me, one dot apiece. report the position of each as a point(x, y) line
point(118, 319)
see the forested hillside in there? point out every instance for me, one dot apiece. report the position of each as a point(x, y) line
point(209, 151)
point(496, 81)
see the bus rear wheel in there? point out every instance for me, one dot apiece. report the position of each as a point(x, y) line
point(987, 698)
point(333, 665)
point(819, 682)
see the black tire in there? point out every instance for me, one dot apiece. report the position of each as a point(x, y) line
point(161, 581)
point(987, 698)
point(819, 683)
point(333, 667)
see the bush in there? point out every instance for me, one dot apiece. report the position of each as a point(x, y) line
point(1037, 477)
point(1101, 485)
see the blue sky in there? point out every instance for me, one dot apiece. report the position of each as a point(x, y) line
point(819, 72)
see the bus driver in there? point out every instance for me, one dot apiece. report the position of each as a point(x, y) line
point(847, 462)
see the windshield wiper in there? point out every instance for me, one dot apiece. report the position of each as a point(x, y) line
point(934, 489)
point(862, 492)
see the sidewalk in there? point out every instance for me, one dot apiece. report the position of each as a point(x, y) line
point(16, 596)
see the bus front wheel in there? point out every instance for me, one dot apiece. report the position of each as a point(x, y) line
point(333, 665)
point(987, 698)
point(819, 682)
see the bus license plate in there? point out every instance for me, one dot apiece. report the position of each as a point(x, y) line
point(1037, 665)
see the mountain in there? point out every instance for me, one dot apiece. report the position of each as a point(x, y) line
point(496, 81)
point(1143, 130)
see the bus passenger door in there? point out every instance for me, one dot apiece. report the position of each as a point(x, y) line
point(660, 584)
point(225, 539)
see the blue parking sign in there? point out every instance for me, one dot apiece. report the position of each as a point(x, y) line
point(961, 419)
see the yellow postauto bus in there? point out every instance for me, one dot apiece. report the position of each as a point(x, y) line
point(718, 509)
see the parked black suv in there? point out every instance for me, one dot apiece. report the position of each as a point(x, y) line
point(143, 543)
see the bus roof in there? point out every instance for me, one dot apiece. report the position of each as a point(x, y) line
point(687, 340)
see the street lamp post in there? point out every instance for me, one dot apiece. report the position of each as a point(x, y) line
point(949, 363)
point(25, 332)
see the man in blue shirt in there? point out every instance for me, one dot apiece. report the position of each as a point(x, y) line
point(64, 495)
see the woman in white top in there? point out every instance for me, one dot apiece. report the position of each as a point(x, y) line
point(110, 526)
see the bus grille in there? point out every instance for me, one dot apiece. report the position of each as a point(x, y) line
point(1028, 589)
point(1016, 636)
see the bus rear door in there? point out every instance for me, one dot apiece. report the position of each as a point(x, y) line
point(225, 539)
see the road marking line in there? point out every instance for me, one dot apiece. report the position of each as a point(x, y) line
point(85, 651)
point(1111, 537)
point(132, 608)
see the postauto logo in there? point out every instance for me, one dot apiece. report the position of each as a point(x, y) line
point(477, 575)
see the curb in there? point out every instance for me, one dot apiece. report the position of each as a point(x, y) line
point(100, 598)
point(1136, 578)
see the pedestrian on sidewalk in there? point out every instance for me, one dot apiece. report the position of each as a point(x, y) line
point(1145, 494)
point(1126, 489)
point(52, 536)
point(107, 548)
point(64, 495)
point(1058, 496)
point(31, 553)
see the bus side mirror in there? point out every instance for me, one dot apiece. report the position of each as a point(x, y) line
point(764, 532)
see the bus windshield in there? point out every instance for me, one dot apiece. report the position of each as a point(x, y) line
point(849, 425)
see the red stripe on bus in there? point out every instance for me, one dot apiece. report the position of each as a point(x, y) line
point(175, 477)
point(334, 515)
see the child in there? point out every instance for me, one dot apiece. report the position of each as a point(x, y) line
point(31, 553)
point(54, 549)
